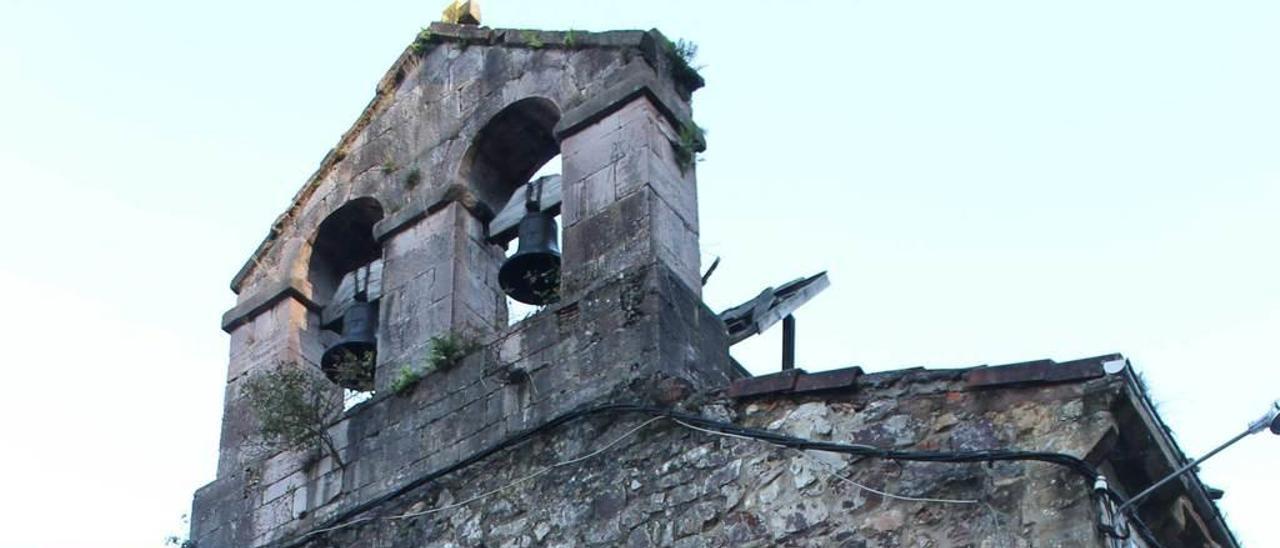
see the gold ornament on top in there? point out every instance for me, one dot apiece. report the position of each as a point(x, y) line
point(462, 12)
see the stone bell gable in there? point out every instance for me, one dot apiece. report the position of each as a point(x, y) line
point(403, 214)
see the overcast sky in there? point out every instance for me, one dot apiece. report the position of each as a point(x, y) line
point(986, 182)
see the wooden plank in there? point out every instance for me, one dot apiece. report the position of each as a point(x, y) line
point(502, 228)
point(345, 294)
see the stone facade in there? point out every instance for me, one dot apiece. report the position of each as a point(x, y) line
point(668, 485)
point(459, 123)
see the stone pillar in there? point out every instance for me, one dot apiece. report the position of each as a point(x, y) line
point(277, 328)
point(628, 202)
point(439, 277)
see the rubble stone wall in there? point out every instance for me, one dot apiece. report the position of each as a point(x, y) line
point(666, 485)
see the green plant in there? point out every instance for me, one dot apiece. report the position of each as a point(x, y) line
point(691, 140)
point(413, 178)
point(293, 407)
point(685, 50)
point(407, 378)
point(571, 39)
point(422, 41)
point(354, 369)
point(532, 38)
point(180, 542)
point(447, 350)
point(389, 166)
point(547, 284)
point(681, 55)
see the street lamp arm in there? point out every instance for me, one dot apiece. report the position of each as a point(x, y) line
point(1269, 421)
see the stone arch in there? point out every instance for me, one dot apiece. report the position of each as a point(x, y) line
point(341, 243)
point(509, 149)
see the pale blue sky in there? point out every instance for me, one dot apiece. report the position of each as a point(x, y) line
point(987, 182)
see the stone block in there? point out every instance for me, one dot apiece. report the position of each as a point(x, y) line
point(676, 244)
point(269, 518)
point(283, 465)
point(283, 486)
point(594, 194)
point(217, 505)
point(607, 244)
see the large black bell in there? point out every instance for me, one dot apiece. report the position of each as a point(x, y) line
point(350, 363)
point(532, 274)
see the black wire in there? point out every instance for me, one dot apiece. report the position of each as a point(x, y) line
point(1131, 516)
point(1084, 469)
point(1109, 527)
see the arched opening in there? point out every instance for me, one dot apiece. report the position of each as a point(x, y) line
point(515, 148)
point(510, 149)
point(343, 243)
point(345, 273)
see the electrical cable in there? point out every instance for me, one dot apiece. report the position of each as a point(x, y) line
point(1126, 519)
point(833, 473)
point(513, 443)
point(888, 495)
point(340, 520)
point(532, 476)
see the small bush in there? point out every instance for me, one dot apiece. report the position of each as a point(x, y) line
point(447, 350)
point(691, 140)
point(406, 379)
point(421, 42)
point(681, 55)
point(293, 408)
point(355, 370)
point(687, 51)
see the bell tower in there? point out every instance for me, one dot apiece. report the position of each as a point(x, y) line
point(387, 277)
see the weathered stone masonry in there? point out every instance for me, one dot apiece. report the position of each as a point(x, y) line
point(453, 132)
point(670, 486)
point(459, 123)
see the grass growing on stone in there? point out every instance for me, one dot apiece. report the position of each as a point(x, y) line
point(685, 50)
point(421, 42)
point(413, 178)
point(447, 350)
point(681, 55)
point(532, 39)
point(691, 140)
point(406, 379)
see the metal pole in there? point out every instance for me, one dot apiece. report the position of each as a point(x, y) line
point(788, 342)
point(1138, 497)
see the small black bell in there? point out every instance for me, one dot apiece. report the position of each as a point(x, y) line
point(532, 274)
point(350, 363)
